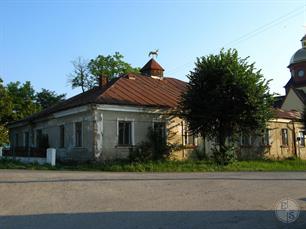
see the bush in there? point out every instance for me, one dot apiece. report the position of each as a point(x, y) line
point(142, 152)
point(199, 154)
point(224, 155)
point(155, 148)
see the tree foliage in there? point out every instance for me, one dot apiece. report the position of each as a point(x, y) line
point(46, 98)
point(80, 76)
point(23, 100)
point(18, 101)
point(226, 95)
point(85, 75)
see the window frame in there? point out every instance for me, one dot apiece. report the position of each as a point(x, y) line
point(302, 138)
point(164, 132)
point(242, 138)
point(16, 139)
point(188, 138)
point(62, 136)
point(132, 132)
point(26, 139)
point(266, 137)
point(285, 137)
point(76, 145)
point(38, 137)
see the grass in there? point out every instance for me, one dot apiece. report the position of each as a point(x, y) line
point(166, 166)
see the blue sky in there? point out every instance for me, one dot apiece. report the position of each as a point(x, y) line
point(39, 39)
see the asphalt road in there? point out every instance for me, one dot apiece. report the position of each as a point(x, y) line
point(47, 199)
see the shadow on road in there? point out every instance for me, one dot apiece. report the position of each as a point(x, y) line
point(149, 219)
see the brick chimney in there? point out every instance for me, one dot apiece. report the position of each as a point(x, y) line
point(103, 81)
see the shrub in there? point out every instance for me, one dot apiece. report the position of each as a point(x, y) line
point(142, 152)
point(155, 148)
point(199, 154)
point(224, 155)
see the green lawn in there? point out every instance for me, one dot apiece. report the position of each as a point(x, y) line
point(166, 166)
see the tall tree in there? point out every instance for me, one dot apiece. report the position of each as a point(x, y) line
point(225, 96)
point(23, 100)
point(46, 98)
point(110, 66)
point(6, 106)
point(18, 101)
point(85, 75)
point(80, 76)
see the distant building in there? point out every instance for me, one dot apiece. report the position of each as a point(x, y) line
point(295, 97)
point(284, 136)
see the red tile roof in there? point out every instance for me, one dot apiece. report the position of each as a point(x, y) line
point(130, 89)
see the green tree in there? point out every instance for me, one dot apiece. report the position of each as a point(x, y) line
point(6, 105)
point(5, 113)
point(226, 96)
point(23, 100)
point(46, 98)
point(85, 75)
point(4, 136)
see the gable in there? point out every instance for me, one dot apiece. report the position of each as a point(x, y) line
point(292, 101)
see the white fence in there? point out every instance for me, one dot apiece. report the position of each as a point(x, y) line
point(50, 159)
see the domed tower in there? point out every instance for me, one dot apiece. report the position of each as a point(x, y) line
point(297, 68)
point(295, 98)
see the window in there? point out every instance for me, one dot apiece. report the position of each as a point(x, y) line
point(302, 138)
point(245, 139)
point(300, 73)
point(16, 140)
point(26, 139)
point(62, 136)
point(266, 137)
point(160, 129)
point(38, 138)
point(284, 137)
point(125, 133)
point(78, 134)
point(188, 138)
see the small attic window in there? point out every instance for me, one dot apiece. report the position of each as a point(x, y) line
point(130, 77)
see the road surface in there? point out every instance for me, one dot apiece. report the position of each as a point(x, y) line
point(56, 199)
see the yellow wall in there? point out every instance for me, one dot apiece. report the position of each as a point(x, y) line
point(275, 150)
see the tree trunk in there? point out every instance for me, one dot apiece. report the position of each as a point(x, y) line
point(222, 141)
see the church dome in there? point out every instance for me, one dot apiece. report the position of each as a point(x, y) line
point(299, 55)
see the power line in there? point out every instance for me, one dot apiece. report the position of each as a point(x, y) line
point(294, 13)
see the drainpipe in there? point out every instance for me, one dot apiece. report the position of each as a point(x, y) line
point(294, 138)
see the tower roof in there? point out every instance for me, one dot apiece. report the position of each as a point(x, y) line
point(152, 65)
point(299, 55)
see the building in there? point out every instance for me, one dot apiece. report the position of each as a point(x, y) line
point(105, 122)
point(295, 97)
point(284, 136)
